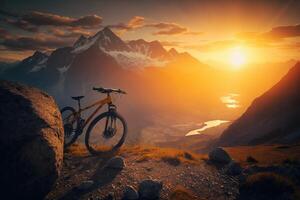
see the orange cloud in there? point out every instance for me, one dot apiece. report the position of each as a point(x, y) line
point(170, 43)
point(214, 46)
point(136, 21)
point(43, 18)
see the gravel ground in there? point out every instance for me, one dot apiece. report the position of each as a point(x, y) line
point(204, 181)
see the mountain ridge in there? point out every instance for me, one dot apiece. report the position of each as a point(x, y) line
point(272, 117)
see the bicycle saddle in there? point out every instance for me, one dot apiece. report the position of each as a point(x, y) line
point(109, 90)
point(77, 98)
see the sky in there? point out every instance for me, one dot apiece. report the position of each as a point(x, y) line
point(219, 31)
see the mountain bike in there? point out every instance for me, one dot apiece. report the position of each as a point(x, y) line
point(105, 134)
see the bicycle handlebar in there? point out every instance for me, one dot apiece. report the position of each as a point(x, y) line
point(109, 90)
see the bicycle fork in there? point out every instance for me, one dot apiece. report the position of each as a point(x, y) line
point(110, 126)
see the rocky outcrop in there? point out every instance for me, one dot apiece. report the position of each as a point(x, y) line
point(31, 141)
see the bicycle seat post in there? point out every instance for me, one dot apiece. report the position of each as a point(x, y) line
point(79, 106)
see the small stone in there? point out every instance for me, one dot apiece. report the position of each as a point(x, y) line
point(150, 189)
point(116, 163)
point(85, 185)
point(109, 197)
point(251, 160)
point(130, 193)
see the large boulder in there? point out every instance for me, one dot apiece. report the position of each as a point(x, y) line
point(31, 141)
point(219, 155)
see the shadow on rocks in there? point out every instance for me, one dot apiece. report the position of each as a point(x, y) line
point(103, 175)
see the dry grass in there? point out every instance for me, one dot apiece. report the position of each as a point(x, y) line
point(145, 153)
point(77, 149)
point(265, 154)
point(268, 185)
point(171, 156)
point(181, 193)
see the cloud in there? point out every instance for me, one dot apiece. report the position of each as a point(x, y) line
point(215, 45)
point(194, 33)
point(49, 19)
point(275, 35)
point(283, 32)
point(4, 34)
point(167, 28)
point(163, 28)
point(290, 46)
point(34, 20)
point(170, 43)
point(36, 42)
point(134, 23)
point(9, 14)
point(69, 32)
point(22, 25)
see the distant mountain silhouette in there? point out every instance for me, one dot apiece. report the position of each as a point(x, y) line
point(92, 60)
point(273, 117)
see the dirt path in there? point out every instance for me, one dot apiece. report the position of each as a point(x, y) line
point(202, 180)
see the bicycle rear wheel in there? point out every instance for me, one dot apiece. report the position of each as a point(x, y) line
point(106, 134)
point(70, 123)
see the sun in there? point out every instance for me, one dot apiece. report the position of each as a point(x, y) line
point(237, 57)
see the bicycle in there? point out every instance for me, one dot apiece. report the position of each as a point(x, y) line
point(101, 130)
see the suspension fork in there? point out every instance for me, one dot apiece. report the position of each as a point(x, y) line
point(112, 109)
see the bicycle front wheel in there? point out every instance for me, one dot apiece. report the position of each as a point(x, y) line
point(106, 133)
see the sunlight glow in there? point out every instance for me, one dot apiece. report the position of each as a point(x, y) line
point(237, 57)
point(230, 100)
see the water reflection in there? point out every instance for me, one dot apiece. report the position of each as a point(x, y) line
point(230, 100)
point(206, 125)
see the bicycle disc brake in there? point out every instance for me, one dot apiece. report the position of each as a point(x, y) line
point(111, 130)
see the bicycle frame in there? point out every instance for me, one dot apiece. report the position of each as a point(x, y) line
point(107, 100)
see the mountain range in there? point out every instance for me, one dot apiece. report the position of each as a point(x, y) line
point(94, 60)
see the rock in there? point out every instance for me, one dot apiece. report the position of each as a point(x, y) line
point(31, 141)
point(219, 155)
point(251, 160)
point(130, 193)
point(116, 163)
point(233, 169)
point(150, 189)
point(85, 185)
point(109, 197)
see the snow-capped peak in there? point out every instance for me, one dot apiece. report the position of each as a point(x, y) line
point(81, 40)
point(104, 39)
point(133, 53)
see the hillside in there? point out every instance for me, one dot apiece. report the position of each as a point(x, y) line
point(272, 117)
